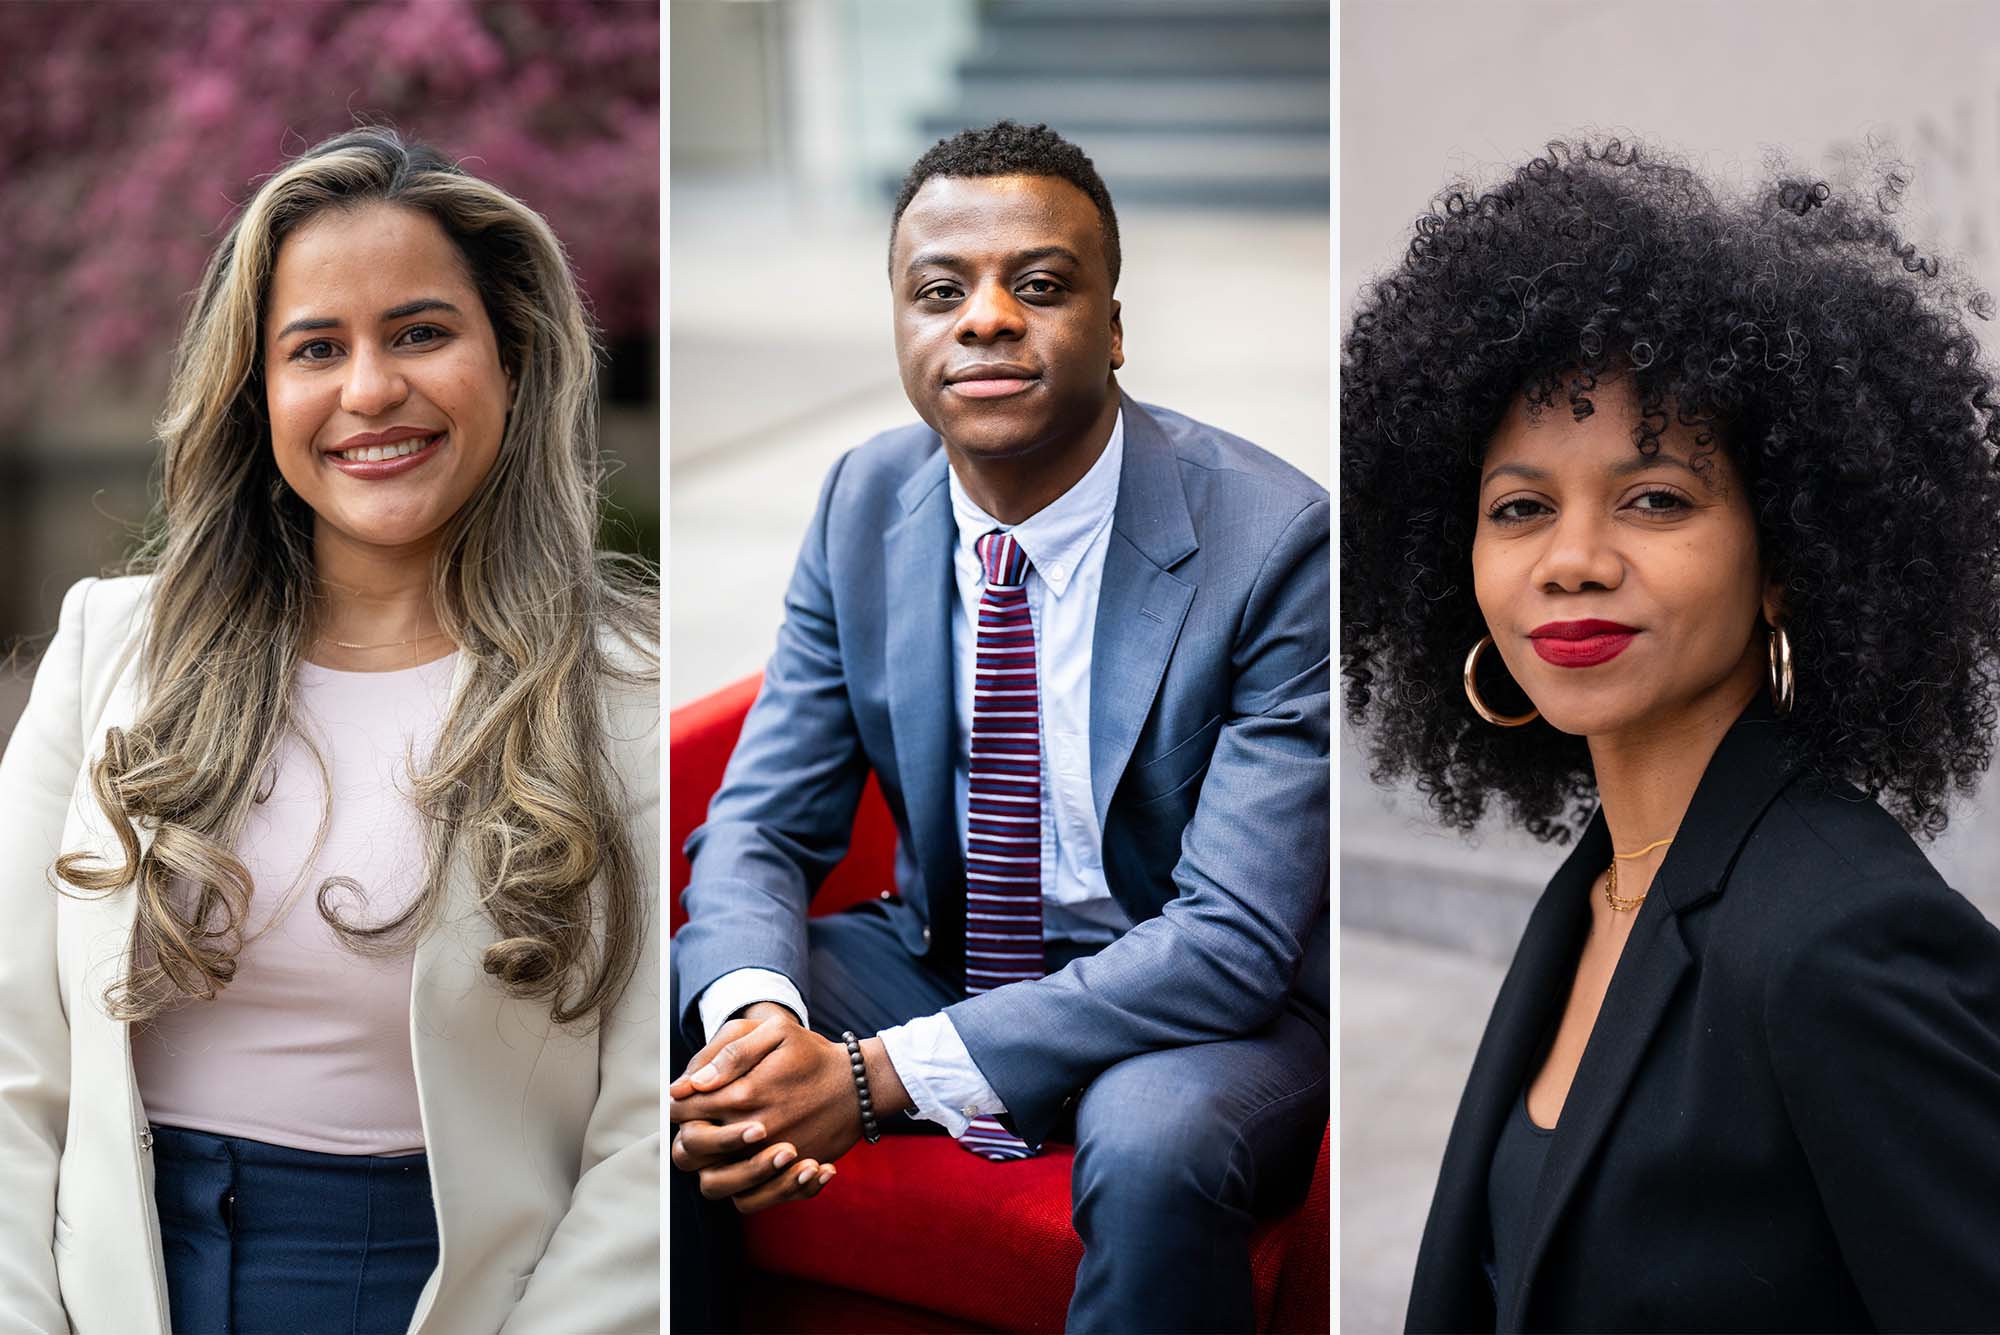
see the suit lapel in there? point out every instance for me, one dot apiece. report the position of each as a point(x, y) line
point(918, 612)
point(1141, 605)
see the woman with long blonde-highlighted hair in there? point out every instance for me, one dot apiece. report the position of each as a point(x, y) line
point(346, 1014)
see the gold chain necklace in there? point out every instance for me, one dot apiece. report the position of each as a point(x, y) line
point(387, 644)
point(1611, 896)
point(1625, 904)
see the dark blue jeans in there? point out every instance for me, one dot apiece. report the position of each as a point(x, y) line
point(262, 1239)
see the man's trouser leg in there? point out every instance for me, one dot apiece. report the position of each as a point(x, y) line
point(1177, 1152)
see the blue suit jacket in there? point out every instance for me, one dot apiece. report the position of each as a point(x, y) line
point(1208, 756)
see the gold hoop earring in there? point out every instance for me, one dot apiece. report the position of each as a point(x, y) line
point(1778, 646)
point(1478, 705)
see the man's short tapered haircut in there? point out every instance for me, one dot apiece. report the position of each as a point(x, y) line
point(1008, 149)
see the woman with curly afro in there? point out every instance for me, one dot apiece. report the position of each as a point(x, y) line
point(1671, 524)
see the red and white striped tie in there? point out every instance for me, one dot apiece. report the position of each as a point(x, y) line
point(1003, 847)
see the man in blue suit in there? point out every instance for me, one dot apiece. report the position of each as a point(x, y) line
point(1084, 646)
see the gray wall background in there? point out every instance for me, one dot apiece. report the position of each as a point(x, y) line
point(1435, 90)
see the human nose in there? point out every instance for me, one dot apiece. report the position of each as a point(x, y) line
point(373, 385)
point(1579, 555)
point(989, 314)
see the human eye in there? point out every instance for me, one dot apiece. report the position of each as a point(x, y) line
point(1517, 510)
point(314, 350)
point(1659, 501)
point(1041, 285)
point(938, 291)
point(422, 334)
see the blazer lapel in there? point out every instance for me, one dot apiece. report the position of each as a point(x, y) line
point(1650, 969)
point(447, 961)
point(918, 611)
point(1449, 1290)
point(1140, 606)
point(110, 918)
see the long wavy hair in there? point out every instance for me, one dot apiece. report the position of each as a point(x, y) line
point(520, 782)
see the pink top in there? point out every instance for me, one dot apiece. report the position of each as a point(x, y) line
point(309, 1045)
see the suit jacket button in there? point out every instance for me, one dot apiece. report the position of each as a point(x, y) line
point(927, 936)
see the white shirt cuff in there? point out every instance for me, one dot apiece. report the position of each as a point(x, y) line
point(743, 987)
point(940, 1075)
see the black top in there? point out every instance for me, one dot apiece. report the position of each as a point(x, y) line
point(1787, 1117)
point(1510, 1192)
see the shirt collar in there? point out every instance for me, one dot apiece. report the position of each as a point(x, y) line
point(1056, 536)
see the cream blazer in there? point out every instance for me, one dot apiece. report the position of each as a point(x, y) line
point(544, 1146)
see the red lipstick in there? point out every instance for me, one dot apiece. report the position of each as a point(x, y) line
point(1580, 644)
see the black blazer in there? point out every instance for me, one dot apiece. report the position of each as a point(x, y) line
point(1788, 1114)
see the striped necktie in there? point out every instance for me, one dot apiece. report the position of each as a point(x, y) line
point(1003, 846)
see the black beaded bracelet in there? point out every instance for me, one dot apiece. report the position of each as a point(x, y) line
point(869, 1129)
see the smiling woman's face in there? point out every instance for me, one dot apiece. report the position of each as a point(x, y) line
point(1623, 591)
point(382, 377)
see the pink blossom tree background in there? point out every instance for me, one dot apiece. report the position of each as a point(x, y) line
point(131, 132)
point(130, 135)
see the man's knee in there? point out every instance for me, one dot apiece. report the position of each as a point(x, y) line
point(1147, 1134)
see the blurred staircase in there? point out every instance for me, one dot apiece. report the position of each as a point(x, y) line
point(1177, 102)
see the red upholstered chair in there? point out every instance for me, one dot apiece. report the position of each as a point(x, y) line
point(905, 1238)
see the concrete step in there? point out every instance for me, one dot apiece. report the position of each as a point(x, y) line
point(1143, 24)
point(1223, 154)
point(1152, 13)
point(1159, 104)
point(1160, 53)
point(1219, 169)
point(1161, 37)
point(1178, 102)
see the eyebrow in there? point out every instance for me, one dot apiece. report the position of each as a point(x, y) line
point(404, 311)
point(945, 260)
point(1634, 463)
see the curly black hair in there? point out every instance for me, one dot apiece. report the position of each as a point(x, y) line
point(1007, 149)
point(1794, 329)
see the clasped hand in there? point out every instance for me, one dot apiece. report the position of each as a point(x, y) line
point(763, 1110)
